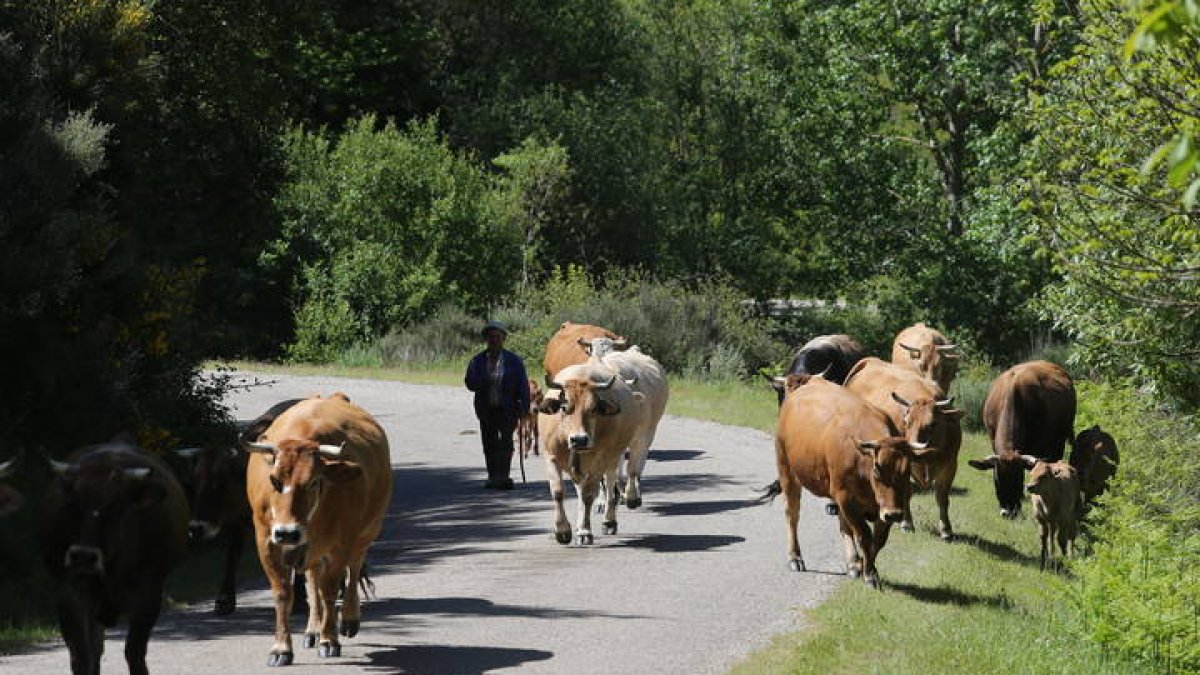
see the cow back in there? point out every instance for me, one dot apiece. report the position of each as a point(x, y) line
point(564, 350)
point(648, 377)
point(831, 355)
point(1030, 409)
point(879, 382)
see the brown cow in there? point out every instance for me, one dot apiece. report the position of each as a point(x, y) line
point(1094, 456)
point(926, 351)
point(1053, 489)
point(1029, 410)
point(831, 356)
point(114, 522)
point(588, 419)
point(569, 346)
point(219, 505)
point(527, 427)
point(318, 491)
point(921, 411)
point(834, 444)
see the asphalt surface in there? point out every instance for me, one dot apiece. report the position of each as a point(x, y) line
point(471, 580)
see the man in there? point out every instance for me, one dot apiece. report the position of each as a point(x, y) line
point(497, 376)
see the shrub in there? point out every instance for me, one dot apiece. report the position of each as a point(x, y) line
point(450, 333)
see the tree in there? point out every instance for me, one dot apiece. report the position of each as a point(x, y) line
point(535, 184)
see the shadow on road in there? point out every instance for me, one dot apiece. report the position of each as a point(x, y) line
point(679, 543)
point(703, 508)
point(448, 659)
point(394, 609)
point(674, 455)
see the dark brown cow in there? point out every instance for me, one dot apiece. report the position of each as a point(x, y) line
point(318, 489)
point(569, 346)
point(1029, 410)
point(114, 522)
point(926, 351)
point(919, 408)
point(831, 356)
point(527, 427)
point(219, 505)
point(10, 499)
point(1094, 455)
point(1053, 489)
point(834, 444)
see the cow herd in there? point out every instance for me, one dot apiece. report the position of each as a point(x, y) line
point(312, 478)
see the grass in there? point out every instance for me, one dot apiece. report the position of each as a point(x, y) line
point(980, 602)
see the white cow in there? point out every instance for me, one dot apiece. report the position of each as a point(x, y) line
point(644, 375)
point(588, 417)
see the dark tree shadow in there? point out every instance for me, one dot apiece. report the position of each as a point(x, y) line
point(448, 659)
point(396, 609)
point(998, 550)
point(942, 595)
point(674, 455)
point(678, 543)
point(703, 508)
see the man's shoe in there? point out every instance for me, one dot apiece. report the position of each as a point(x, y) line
point(490, 485)
point(506, 484)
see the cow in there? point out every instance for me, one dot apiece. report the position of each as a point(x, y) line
point(10, 499)
point(926, 351)
point(1095, 458)
point(1029, 410)
point(113, 524)
point(319, 486)
point(646, 376)
point(831, 356)
point(219, 505)
point(1053, 489)
point(588, 418)
point(527, 431)
point(834, 444)
point(920, 410)
point(568, 346)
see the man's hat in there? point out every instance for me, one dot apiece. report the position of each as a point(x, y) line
point(494, 325)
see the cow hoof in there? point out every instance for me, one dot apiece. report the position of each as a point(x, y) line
point(328, 649)
point(584, 540)
point(873, 582)
point(562, 537)
point(853, 573)
point(946, 536)
point(350, 628)
point(610, 528)
point(225, 606)
point(633, 502)
point(907, 526)
point(831, 509)
point(279, 659)
point(310, 640)
point(797, 565)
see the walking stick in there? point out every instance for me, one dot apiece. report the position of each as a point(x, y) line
point(521, 452)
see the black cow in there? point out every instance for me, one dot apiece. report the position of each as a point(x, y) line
point(220, 506)
point(114, 522)
point(831, 356)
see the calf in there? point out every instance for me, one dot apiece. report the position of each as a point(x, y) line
point(1054, 491)
point(114, 522)
point(834, 444)
point(527, 427)
point(1094, 456)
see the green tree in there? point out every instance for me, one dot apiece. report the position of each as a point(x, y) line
point(536, 180)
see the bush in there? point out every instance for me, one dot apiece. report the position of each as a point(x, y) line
point(1139, 591)
point(969, 389)
point(449, 334)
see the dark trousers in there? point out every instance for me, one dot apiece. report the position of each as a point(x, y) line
point(497, 430)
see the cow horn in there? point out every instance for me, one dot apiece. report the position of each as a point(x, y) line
point(632, 381)
point(586, 344)
point(912, 351)
point(137, 473)
point(823, 372)
point(867, 445)
point(330, 450)
point(944, 403)
point(268, 448)
point(7, 467)
point(900, 399)
point(1030, 460)
point(188, 453)
point(947, 348)
point(554, 385)
point(60, 467)
point(620, 342)
point(605, 385)
point(918, 445)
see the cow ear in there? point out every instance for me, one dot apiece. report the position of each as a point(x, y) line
point(339, 471)
point(606, 407)
point(549, 406)
point(985, 464)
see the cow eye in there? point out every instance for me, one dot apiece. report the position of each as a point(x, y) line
point(877, 473)
point(277, 484)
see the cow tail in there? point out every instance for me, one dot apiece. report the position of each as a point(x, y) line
point(769, 493)
point(365, 584)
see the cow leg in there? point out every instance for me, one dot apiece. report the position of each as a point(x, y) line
point(281, 590)
point(942, 484)
point(611, 500)
point(587, 490)
point(226, 601)
point(328, 577)
point(562, 526)
point(792, 493)
point(869, 547)
point(311, 589)
point(850, 547)
point(143, 614)
point(82, 632)
point(536, 435)
point(351, 618)
point(1044, 529)
point(639, 451)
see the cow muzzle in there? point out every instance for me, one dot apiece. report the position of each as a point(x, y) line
point(579, 441)
point(287, 535)
point(891, 516)
point(84, 560)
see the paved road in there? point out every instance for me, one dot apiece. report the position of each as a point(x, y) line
point(471, 580)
